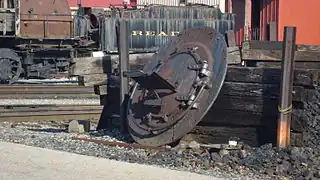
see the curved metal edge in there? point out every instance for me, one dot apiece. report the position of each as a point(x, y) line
point(223, 65)
point(222, 80)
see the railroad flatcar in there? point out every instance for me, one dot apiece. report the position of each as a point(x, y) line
point(38, 38)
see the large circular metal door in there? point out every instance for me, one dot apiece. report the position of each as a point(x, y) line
point(176, 89)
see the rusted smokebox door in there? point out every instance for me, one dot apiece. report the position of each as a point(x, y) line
point(45, 18)
point(177, 88)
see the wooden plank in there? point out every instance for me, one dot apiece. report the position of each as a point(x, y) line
point(225, 117)
point(90, 80)
point(275, 55)
point(100, 65)
point(276, 45)
point(90, 65)
point(233, 56)
point(253, 136)
point(240, 117)
point(267, 45)
point(302, 77)
point(258, 105)
point(301, 65)
point(271, 91)
point(101, 90)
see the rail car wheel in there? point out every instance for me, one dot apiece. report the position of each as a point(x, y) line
point(10, 66)
point(177, 88)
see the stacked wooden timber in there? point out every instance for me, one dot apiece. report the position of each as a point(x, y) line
point(250, 95)
point(247, 106)
point(94, 70)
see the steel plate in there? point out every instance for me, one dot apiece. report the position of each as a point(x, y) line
point(176, 89)
point(45, 19)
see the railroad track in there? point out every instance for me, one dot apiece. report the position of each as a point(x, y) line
point(56, 79)
point(34, 102)
point(53, 94)
point(50, 113)
point(45, 91)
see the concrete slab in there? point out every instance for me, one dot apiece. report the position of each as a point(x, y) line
point(32, 163)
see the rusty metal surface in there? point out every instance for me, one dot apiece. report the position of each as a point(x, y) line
point(141, 3)
point(177, 88)
point(206, 2)
point(177, 3)
point(45, 18)
point(285, 104)
point(172, 12)
point(119, 144)
point(147, 35)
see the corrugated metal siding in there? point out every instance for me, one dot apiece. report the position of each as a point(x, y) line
point(174, 12)
point(170, 12)
point(268, 13)
point(151, 43)
point(206, 2)
point(141, 3)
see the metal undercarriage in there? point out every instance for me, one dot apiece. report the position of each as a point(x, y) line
point(37, 58)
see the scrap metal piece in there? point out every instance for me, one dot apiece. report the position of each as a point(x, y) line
point(168, 77)
point(119, 144)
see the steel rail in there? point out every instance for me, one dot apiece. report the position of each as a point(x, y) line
point(50, 113)
point(34, 111)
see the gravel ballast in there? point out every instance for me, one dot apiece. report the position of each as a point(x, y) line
point(54, 136)
point(265, 162)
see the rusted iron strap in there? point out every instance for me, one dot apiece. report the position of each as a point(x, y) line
point(128, 145)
